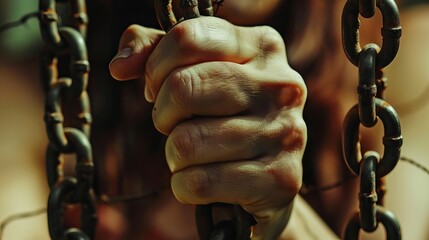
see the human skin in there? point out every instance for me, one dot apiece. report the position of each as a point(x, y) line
point(244, 12)
point(247, 153)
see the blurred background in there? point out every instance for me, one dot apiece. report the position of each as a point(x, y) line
point(23, 139)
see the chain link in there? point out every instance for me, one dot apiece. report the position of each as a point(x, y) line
point(64, 72)
point(367, 8)
point(191, 9)
point(383, 216)
point(63, 42)
point(79, 16)
point(367, 89)
point(391, 31)
point(392, 139)
point(371, 168)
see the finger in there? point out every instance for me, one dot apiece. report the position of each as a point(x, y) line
point(211, 140)
point(223, 89)
point(205, 90)
point(250, 183)
point(135, 46)
point(272, 226)
point(264, 188)
point(207, 39)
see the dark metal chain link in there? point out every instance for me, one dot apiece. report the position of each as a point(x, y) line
point(64, 72)
point(240, 226)
point(371, 167)
point(71, 88)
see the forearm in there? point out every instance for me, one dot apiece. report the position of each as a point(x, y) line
point(304, 223)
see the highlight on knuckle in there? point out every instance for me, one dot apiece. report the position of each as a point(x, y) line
point(299, 87)
point(135, 38)
point(186, 34)
point(133, 29)
point(303, 89)
point(295, 137)
point(300, 136)
point(292, 93)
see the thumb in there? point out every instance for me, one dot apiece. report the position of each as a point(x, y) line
point(135, 46)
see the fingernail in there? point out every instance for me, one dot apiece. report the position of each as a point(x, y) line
point(148, 95)
point(122, 54)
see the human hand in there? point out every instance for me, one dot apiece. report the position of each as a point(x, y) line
point(232, 109)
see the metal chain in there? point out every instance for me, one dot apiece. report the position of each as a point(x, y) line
point(240, 226)
point(64, 72)
point(70, 88)
point(371, 168)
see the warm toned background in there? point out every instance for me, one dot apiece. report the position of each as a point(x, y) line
point(22, 136)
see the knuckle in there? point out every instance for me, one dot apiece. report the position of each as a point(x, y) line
point(303, 90)
point(198, 182)
point(183, 140)
point(299, 85)
point(183, 87)
point(286, 174)
point(187, 35)
point(270, 40)
point(288, 131)
point(136, 37)
point(300, 92)
point(288, 92)
point(295, 137)
point(132, 38)
point(195, 181)
point(133, 29)
point(299, 134)
point(203, 34)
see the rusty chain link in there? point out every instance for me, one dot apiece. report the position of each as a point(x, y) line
point(64, 72)
point(240, 226)
point(371, 168)
point(66, 88)
point(391, 31)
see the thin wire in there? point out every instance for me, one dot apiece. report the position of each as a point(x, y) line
point(144, 196)
point(308, 190)
point(21, 21)
point(416, 164)
point(104, 198)
point(19, 216)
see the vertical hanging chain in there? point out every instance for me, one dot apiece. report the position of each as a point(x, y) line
point(240, 226)
point(371, 168)
point(64, 72)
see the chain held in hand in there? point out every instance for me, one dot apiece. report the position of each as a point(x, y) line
point(240, 226)
point(371, 168)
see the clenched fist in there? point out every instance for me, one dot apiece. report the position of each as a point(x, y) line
point(232, 109)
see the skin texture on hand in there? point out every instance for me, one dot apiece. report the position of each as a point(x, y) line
point(232, 109)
